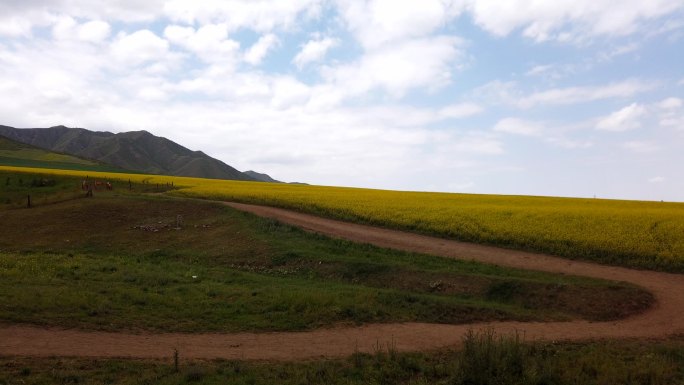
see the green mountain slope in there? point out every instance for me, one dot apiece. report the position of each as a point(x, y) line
point(135, 150)
point(13, 153)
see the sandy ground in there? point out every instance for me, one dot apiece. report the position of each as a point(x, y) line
point(665, 318)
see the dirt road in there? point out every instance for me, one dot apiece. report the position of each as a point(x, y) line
point(665, 318)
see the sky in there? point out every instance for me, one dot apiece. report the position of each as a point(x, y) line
point(580, 98)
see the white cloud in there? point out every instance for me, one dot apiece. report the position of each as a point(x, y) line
point(539, 69)
point(152, 94)
point(569, 20)
point(395, 70)
point(574, 95)
point(288, 91)
point(209, 42)
point(671, 104)
point(220, 82)
point(179, 35)
point(314, 51)
point(498, 92)
point(15, 26)
point(656, 179)
point(675, 121)
point(57, 79)
point(557, 137)
point(618, 51)
point(94, 31)
point(258, 15)
point(378, 22)
point(28, 14)
point(18, 18)
point(510, 92)
point(641, 146)
point(569, 143)
point(671, 113)
point(556, 71)
point(139, 47)
point(627, 118)
point(127, 11)
point(473, 143)
point(64, 28)
point(259, 50)
point(519, 127)
point(458, 111)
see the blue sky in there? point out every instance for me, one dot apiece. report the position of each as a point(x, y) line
point(570, 98)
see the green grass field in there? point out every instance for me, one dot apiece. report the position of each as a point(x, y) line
point(111, 262)
point(118, 262)
point(45, 188)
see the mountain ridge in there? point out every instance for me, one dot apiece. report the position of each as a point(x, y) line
point(132, 150)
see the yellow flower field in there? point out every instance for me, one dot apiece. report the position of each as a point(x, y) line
point(633, 233)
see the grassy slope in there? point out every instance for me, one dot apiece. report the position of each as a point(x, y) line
point(628, 233)
point(15, 187)
point(113, 262)
point(45, 188)
point(23, 155)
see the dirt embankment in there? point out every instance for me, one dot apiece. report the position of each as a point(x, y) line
point(663, 319)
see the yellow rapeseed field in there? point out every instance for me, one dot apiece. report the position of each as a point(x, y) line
point(633, 233)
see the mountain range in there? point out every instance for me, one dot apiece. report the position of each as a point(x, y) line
point(135, 150)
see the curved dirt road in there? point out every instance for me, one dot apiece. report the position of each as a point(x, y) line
point(663, 319)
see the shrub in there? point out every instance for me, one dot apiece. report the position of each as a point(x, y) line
point(491, 359)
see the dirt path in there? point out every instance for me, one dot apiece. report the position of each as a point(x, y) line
point(665, 318)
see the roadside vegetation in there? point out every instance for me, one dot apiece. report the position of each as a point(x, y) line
point(629, 233)
point(485, 359)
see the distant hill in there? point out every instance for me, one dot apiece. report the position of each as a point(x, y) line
point(267, 178)
point(13, 153)
point(261, 177)
point(136, 150)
